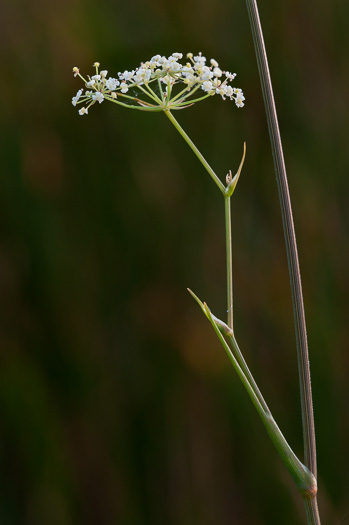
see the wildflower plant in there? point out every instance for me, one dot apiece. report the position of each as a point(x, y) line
point(165, 84)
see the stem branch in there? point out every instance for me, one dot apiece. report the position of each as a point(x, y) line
point(195, 150)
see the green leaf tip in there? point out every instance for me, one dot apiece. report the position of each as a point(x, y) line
point(202, 305)
point(232, 181)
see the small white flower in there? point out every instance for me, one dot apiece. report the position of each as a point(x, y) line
point(222, 90)
point(113, 95)
point(91, 83)
point(98, 96)
point(205, 73)
point(187, 70)
point(111, 83)
point(104, 74)
point(229, 91)
point(238, 92)
point(138, 78)
point(239, 101)
point(200, 59)
point(207, 86)
point(76, 98)
point(143, 75)
point(124, 88)
point(146, 73)
point(96, 78)
point(176, 67)
point(83, 111)
point(230, 76)
point(190, 80)
point(96, 64)
point(177, 55)
point(171, 60)
point(239, 97)
point(155, 59)
point(126, 75)
point(214, 62)
point(217, 72)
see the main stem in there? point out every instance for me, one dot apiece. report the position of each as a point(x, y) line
point(228, 236)
point(229, 252)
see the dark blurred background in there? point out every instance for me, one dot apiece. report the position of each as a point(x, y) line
point(118, 406)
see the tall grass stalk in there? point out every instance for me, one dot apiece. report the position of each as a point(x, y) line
point(292, 257)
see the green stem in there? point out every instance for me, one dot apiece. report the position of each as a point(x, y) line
point(187, 100)
point(180, 94)
point(149, 93)
point(229, 254)
point(195, 150)
point(129, 106)
point(229, 334)
point(156, 98)
point(229, 190)
point(304, 479)
point(169, 91)
point(161, 92)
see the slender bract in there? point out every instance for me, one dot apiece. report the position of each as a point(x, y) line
point(291, 249)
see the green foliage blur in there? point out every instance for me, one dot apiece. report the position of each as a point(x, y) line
point(117, 403)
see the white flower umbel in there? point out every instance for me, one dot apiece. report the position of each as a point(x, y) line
point(159, 84)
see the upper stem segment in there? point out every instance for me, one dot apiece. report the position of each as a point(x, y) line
point(228, 245)
point(195, 150)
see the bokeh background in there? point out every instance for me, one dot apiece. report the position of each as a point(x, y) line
point(118, 406)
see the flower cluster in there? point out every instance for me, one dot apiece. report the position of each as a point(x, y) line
point(157, 80)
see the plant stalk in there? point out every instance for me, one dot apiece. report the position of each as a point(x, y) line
point(195, 150)
point(229, 252)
